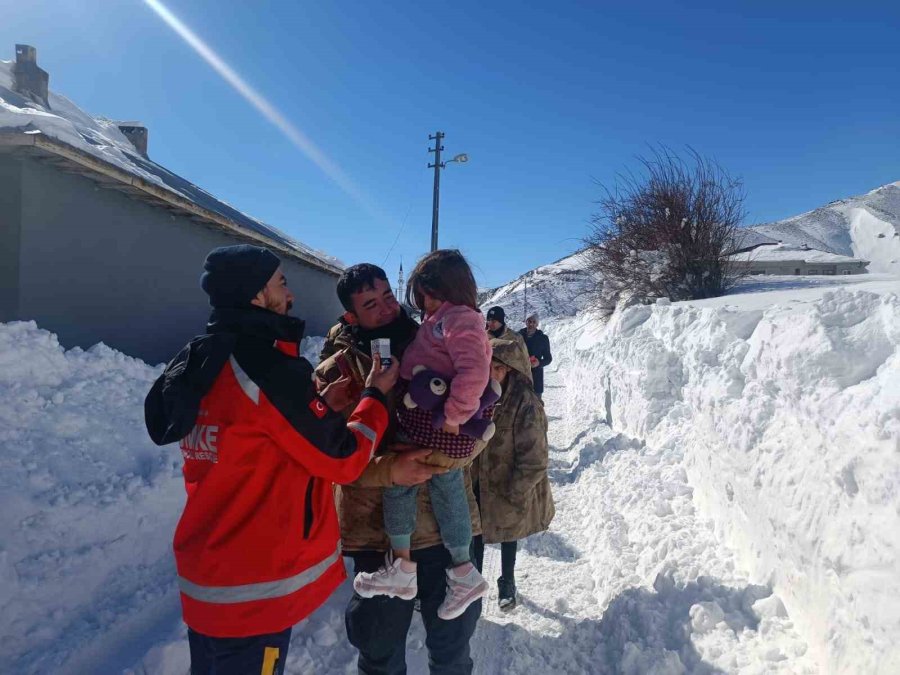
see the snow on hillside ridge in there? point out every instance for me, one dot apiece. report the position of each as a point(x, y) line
point(788, 415)
point(556, 290)
point(866, 226)
point(101, 138)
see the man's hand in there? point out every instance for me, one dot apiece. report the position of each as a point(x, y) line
point(383, 380)
point(450, 429)
point(407, 470)
point(337, 394)
point(534, 361)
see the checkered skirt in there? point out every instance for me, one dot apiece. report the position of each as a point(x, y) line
point(416, 425)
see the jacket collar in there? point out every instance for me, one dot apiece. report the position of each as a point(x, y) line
point(401, 332)
point(256, 322)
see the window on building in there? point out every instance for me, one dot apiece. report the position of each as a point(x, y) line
point(797, 271)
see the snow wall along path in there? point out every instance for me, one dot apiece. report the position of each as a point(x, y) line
point(789, 417)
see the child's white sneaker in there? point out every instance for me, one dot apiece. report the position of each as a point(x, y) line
point(391, 580)
point(464, 586)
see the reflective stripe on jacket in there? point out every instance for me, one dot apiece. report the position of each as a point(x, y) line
point(257, 546)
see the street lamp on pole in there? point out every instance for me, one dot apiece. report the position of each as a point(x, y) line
point(437, 166)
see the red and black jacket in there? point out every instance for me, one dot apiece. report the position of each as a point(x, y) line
point(257, 547)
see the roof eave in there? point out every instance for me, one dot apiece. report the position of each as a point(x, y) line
point(110, 175)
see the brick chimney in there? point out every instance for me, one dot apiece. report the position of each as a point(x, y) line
point(30, 80)
point(137, 134)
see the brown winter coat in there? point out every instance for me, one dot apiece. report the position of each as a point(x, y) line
point(359, 505)
point(512, 470)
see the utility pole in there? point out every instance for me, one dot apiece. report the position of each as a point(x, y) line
point(525, 303)
point(435, 204)
point(400, 289)
point(437, 166)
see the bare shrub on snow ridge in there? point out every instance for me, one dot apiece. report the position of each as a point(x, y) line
point(666, 231)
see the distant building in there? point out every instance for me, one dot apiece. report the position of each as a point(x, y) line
point(100, 243)
point(783, 259)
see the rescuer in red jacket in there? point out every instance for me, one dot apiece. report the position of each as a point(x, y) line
point(257, 548)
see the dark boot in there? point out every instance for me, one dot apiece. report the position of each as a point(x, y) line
point(506, 594)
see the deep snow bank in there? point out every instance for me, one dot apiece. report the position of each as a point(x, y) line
point(88, 502)
point(88, 506)
point(789, 416)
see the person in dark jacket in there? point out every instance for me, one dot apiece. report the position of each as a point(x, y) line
point(539, 355)
point(257, 546)
point(495, 324)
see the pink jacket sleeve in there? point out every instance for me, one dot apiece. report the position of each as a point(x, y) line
point(467, 344)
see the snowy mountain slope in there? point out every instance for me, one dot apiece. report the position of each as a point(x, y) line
point(556, 290)
point(867, 227)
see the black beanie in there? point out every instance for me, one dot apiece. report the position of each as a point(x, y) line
point(235, 274)
point(496, 314)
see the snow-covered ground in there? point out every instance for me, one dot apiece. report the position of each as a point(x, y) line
point(785, 406)
point(726, 475)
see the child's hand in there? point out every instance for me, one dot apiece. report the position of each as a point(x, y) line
point(451, 429)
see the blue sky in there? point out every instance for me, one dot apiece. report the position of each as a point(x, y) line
point(801, 101)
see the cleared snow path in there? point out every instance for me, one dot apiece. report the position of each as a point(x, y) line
point(628, 579)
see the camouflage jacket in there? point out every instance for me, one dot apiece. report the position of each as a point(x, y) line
point(509, 334)
point(512, 470)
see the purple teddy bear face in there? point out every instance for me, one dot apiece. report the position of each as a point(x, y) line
point(429, 389)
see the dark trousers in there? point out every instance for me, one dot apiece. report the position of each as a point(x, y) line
point(378, 626)
point(265, 654)
point(508, 549)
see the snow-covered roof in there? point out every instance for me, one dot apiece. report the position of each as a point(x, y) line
point(748, 239)
point(865, 226)
point(98, 147)
point(789, 252)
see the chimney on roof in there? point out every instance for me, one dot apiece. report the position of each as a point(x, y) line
point(30, 80)
point(137, 134)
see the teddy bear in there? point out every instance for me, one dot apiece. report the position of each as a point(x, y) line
point(428, 390)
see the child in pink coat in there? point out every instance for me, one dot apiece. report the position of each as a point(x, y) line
point(453, 342)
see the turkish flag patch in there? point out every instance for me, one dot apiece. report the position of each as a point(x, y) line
point(318, 407)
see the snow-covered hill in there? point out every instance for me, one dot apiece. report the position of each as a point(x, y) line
point(556, 290)
point(866, 226)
